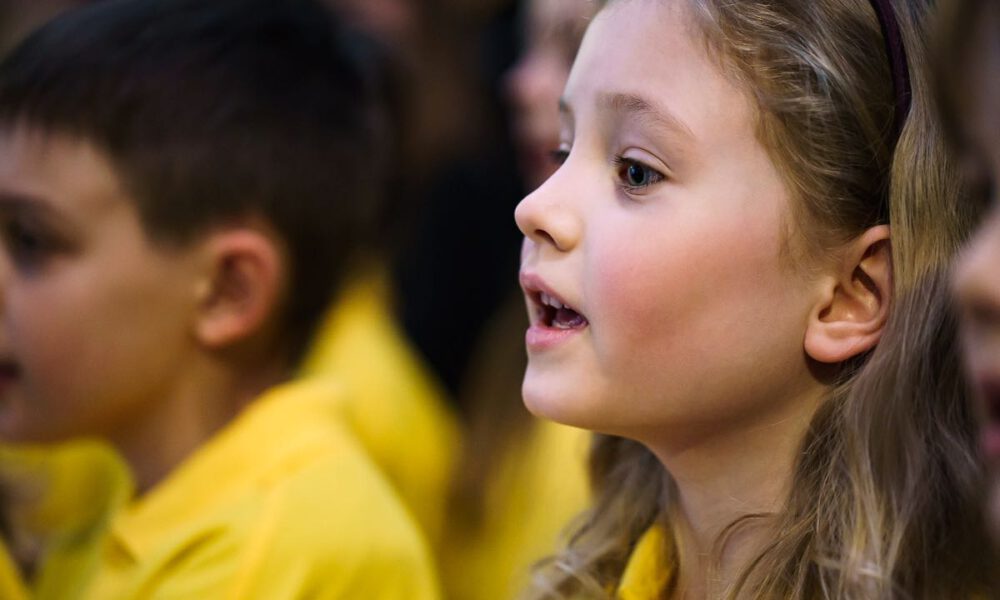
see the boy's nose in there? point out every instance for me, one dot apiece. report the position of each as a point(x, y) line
point(5, 271)
point(546, 220)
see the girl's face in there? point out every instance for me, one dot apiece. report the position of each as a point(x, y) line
point(663, 235)
point(977, 275)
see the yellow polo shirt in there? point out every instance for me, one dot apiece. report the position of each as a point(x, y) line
point(392, 403)
point(650, 567)
point(281, 504)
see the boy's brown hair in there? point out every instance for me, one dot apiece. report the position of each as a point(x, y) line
point(218, 112)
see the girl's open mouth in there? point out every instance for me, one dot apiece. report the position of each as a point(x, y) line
point(553, 321)
point(557, 315)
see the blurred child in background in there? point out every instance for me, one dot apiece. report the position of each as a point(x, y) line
point(741, 267)
point(520, 479)
point(513, 482)
point(183, 185)
point(969, 70)
point(391, 401)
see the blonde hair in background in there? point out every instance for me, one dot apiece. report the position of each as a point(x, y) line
point(885, 497)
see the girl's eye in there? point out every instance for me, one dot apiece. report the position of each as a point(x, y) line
point(634, 175)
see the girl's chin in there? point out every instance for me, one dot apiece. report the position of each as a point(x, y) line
point(552, 405)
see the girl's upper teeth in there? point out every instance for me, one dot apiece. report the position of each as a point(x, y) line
point(550, 301)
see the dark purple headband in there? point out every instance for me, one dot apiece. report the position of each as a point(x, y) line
point(897, 63)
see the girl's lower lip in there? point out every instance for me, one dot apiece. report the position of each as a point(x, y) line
point(540, 337)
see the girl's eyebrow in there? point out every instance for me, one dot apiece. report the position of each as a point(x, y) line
point(653, 116)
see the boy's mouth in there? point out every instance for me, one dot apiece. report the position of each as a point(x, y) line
point(989, 391)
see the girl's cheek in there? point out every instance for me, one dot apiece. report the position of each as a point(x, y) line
point(638, 291)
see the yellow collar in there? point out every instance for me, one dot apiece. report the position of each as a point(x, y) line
point(650, 567)
point(285, 427)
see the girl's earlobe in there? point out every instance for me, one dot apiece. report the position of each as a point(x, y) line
point(850, 318)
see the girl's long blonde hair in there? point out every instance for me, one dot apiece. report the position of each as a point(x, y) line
point(885, 496)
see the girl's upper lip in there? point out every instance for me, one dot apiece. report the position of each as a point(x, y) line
point(534, 286)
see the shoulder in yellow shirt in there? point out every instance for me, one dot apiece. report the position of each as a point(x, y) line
point(391, 402)
point(281, 504)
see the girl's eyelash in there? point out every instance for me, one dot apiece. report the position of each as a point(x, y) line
point(635, 175)
point(559, 156)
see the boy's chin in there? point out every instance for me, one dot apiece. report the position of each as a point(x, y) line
point(12, 426)
point(18, 426)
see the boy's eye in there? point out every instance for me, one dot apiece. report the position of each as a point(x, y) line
point(982, 180)
point(634, 175)
point(26, 246)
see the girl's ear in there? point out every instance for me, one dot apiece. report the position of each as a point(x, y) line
point(853, 309)
point(241, 287)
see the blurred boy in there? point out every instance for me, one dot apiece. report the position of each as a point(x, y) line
point(182, 184)
point(969, 71)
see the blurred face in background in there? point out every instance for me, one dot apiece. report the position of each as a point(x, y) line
point(977, 274)
point(388, 20)
point(553, 30)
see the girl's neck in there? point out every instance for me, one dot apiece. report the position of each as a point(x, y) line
point(729, 476)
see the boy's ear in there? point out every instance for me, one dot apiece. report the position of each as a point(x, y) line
point(241, 287)
point(853, 309)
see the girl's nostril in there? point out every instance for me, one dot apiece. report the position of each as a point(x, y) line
point(545, 236)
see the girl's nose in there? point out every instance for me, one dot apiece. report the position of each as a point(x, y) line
point(546, 219)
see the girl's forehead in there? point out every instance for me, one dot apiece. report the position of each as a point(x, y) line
point(651, 49)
